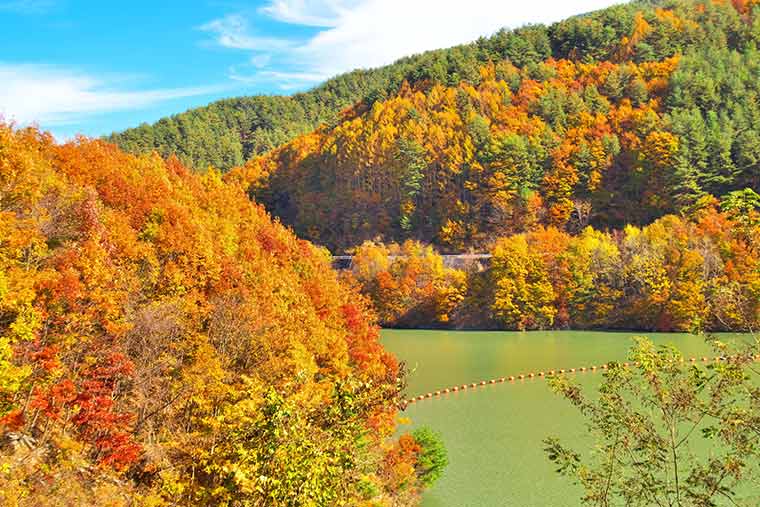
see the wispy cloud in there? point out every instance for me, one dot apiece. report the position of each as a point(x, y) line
point(233, 32)
point(27, 6)
point(286, 80)
point(273, 75)
point(324, 13)
point(53, 95)
point(370, 33)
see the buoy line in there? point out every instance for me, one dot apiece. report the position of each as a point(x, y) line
point(543, 375)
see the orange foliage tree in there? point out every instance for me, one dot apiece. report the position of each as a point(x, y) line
point(408, 283)
point(162, 341)
point(676, 274)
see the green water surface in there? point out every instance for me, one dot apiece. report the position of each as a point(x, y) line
point(493, 434)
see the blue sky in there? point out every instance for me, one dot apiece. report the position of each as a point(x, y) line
point(94, 67)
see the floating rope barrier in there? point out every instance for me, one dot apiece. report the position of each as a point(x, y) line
point(545, 375)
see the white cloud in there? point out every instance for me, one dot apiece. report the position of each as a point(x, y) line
point(233, 32)
point(380, 31)
point(51, 95)
point(309, 12)
point(370, 33)
point(284, 80)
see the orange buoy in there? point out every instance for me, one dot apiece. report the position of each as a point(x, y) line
point(604, 366)
point(492, 381)
point(530, 375)
point(551, 372)
point(511, 378)
point(593, 367)
point(704, 359)
point(502, 379)
point(562, 371)
point(482, 382)
point(473, 385)
point(583, 368)
point(420, 397)
point(693, 359)
point(625, 364)
point(446, 390)
point(429, 395)
point(521, 376)
point(455, 388)
point(572, 370)
point(464, 386)
point(540, 374)
point(438, 393)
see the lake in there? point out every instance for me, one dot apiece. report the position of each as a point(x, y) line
point(493, 434)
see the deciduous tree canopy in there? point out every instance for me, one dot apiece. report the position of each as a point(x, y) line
point(638, 111)
point(163, 341)
point(676, 274)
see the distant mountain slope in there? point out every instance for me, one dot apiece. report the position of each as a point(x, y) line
point(641, 110)
point(227, 133)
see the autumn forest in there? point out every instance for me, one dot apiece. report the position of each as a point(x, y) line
point(621, 132)
point(172, 332)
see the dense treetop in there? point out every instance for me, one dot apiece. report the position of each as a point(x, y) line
point(163, 342)
point(620, 116)
point(228, 132)
point(695, 273)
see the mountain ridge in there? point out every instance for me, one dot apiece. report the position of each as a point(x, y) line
point(228, 132)
point(622, 130)
point(616, 117)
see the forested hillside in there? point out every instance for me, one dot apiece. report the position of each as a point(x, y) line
point(227, 133)
point(637, 112)
point(695, 273)
point(162, 342)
